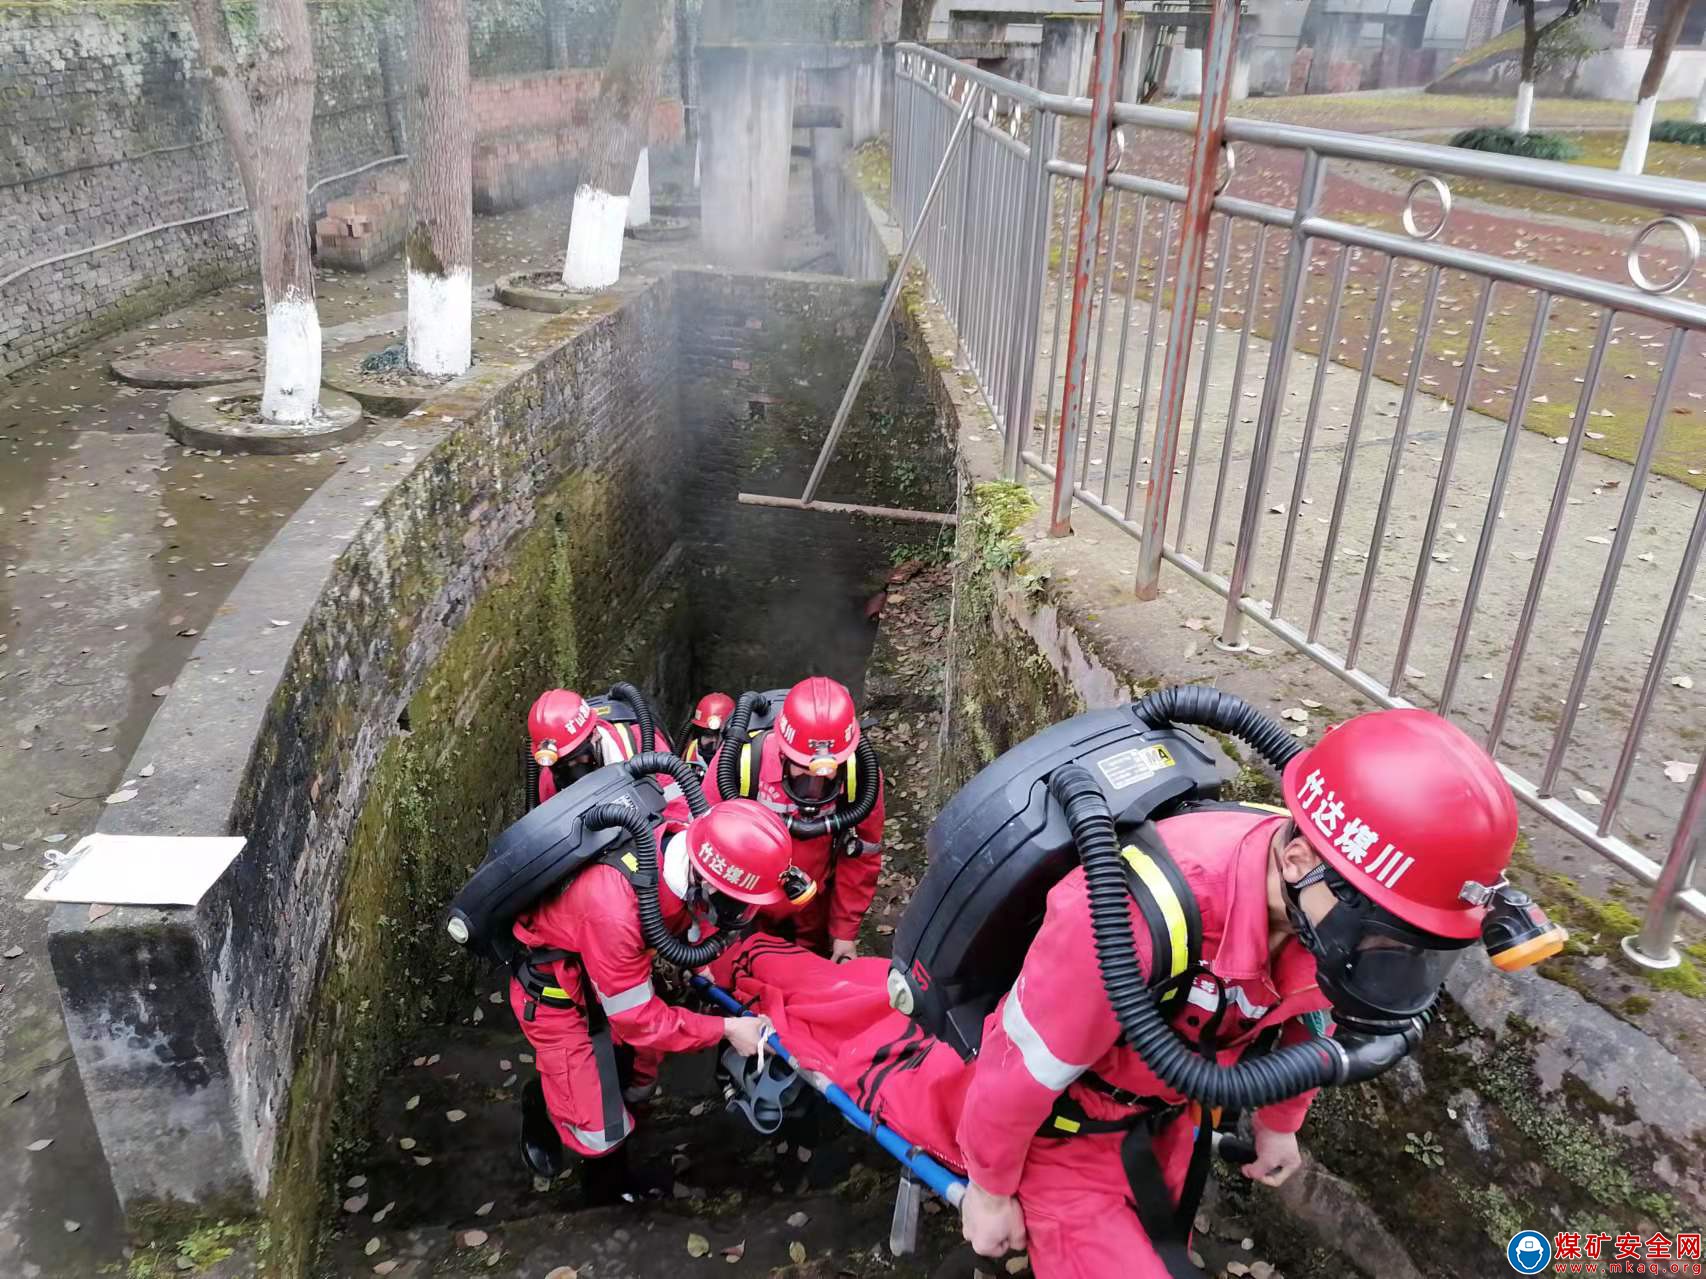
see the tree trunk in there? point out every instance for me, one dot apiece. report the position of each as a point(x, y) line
point(915, 20)
point(626, 97)
point(268, 116)
point(1647, 99)
point(1525, 79)
point(1700, 105)
point(440, 244)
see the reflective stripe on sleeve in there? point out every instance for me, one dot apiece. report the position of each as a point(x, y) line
point(626, 1000)
point(1047, 1069)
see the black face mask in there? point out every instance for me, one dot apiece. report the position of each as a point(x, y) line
point(809, 790)
point(566, 772)
point(1376, 970)
point(726, 914)
point(708, 742)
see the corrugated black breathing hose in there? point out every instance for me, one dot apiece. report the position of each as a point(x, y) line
point(1256, 1081)
point(734, 734)
point(626, 692)
point(1224, 713)
point(652, 927)
point(684, 773)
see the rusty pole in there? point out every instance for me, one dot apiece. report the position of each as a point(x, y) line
point(1219, 62)
point(1103, 72)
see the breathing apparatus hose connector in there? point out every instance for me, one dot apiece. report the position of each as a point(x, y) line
point(626, 692)
point(1256, 1081)
point(844, 819)
point(734, 733)
point(652, 927)
point(1224, 713)
point(649, 762)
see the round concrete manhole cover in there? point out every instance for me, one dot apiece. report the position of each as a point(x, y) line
point(227, 418)
point(179, 364)
point(661, 229)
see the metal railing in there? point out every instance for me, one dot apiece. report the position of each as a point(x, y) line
point(1338, 375)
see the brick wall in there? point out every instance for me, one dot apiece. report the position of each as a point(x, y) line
point(531, 130)
point(109, 130)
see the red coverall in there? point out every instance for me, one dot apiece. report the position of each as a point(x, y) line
point(846, 884)
point(597, 917)
point(617, 742)
point(1054, 1024)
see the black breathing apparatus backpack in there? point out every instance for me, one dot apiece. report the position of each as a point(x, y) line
point(1001, 843)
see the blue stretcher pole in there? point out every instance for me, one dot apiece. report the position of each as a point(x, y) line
point(927, 1170)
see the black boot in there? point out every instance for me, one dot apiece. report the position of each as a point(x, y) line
point(541, 1145)
point(615, 1178)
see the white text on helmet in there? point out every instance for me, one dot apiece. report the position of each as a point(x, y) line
point(1357, 839)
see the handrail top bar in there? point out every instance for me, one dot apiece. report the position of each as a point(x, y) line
point(1672, 195)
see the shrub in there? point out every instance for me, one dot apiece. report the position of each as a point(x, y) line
point(1686, 132)
point(1533, 146)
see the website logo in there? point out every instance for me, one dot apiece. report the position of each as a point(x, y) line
point(1529, 1251)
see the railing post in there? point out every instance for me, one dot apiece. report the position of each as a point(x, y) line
point(1219, 62)
point(1273, 399)
point(1655, 945)
point(1102, 77)
point(1024, 376)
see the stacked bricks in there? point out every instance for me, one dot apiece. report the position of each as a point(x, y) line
point(365, 229)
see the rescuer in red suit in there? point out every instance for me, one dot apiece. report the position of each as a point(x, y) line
point(705, 734)
point(569, 739)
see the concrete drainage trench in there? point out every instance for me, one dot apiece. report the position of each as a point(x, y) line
point(302, 1071)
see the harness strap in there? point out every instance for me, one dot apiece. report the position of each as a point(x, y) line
point(1167, 1224)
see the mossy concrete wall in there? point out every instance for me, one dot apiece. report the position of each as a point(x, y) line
point(1528, 1107)
point(765, 359)
point(357, 712)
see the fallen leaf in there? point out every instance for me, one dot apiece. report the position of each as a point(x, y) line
point(1677, 770)
point(563, 1272)
point(386, 1267)
point(456, 1116)
point(373, 1246)
point(1194, 623)
point(1310, 703)
point(734, 1252)
point(698, 1246)
point(121, 797)
point(355, 1203)
point(421, 1161)
point(797, 1253)
point(147, 771)
point(472, 1238)
point(798, 1219)
point(1294, 713)
point(1683, 681)
point(1597, 540)
point(99, 910)
point(412, 1102)
point(406, 1143)
point(279, 621)
point(1587, 797)
point(13, 953)
point(356, 1182)
point(36, 1147)
point(1018, 1265)
point(72, 1227)
point(485, 1208)
point(381, 1214)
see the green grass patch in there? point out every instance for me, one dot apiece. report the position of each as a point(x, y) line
point(1503, 141)
point(1683, 132)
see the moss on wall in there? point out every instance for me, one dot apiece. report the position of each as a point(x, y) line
point(443, 787)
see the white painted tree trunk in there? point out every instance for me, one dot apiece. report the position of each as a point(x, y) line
point(290, 392)
point(640, 196)
point(1640, 133)
point(440, 245)
point(1524, 107)
point(441, 322)
point(594, 259)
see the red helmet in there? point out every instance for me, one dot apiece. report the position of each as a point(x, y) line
point(1410, 812)
point(818, 725)
point(742, 849)
point(559, 723)
point(713, 710)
